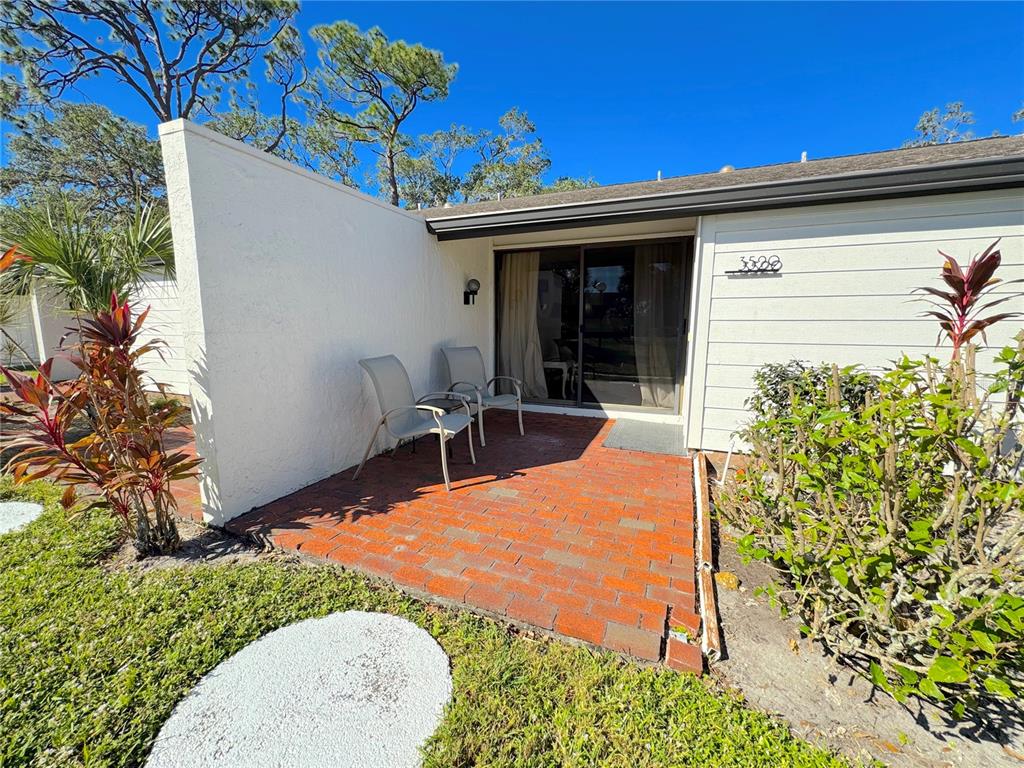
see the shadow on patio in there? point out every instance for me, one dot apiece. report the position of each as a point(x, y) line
point(551, 530)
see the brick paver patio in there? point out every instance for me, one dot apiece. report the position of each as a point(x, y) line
point(551, 530)
point(186, 492)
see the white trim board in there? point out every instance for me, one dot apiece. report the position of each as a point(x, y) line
point(592, 239)
point(601, 413)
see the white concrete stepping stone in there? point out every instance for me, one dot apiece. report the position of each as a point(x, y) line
point(14, 514)
point(351, 689)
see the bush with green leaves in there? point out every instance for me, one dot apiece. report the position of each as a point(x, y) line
point(776, 384)
point(896, 523)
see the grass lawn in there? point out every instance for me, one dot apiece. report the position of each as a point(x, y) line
point(93, 660)
point(31, 372)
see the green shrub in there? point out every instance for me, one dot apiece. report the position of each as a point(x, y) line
point(776, 385)
point(896, 523)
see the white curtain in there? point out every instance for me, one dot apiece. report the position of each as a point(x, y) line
point(657, 279)
point(519, 350)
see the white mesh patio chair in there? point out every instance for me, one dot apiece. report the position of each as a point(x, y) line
point(405, 418)
point(466, 374)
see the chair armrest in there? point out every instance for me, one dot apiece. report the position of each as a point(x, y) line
point(449, 394)
point(469, 384)
point(417, 407)
point(516, 383)
point(476, 391)
point(437, 413)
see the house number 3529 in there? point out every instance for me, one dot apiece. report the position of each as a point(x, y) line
point(757, 265)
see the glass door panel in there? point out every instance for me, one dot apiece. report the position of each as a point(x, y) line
point(633, 298)
point(608, 355)
point(659, 291)
point(538, 322)
point(558, 312)
point(594, 325)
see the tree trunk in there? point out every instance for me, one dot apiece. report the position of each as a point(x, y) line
point(392, 176)
point(155, 534)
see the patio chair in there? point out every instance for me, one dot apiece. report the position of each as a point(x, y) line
point(405, 418)
point(466, 373)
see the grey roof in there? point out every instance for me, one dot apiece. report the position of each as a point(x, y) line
point(1007, 147)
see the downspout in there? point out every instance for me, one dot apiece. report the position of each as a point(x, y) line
point(691, 334)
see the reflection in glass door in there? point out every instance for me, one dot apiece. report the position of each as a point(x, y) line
point(558, 308)
point(538, 322)
point(609, 360)
point(632, 312)
point(594, 325)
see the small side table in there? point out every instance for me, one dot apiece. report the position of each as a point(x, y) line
point(446, 404)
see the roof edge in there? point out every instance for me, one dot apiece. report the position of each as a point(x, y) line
point(960, 175)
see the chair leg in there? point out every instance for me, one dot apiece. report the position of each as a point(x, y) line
point(369, 447)
point(519, 409)
point(469, 431)
point(480, 420)
point(444, 463)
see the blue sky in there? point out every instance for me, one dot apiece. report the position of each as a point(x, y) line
point(620, 91)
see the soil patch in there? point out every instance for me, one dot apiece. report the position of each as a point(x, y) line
point(199, 546)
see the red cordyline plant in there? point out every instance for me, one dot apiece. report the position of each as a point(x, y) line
point(958, 311)
point(123, 454)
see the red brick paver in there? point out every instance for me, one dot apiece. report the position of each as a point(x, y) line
point(684, 656)
point(186, 492)
point(552, 530)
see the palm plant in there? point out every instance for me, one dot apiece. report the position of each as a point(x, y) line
point(82, 261)
point(8, 315)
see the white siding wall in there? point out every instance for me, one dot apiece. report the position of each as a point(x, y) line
point(286, 280)
point(39, 328)
point(843, 294)
point(22, 330)
point(164, 322)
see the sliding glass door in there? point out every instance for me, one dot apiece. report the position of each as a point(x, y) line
point(597, 325)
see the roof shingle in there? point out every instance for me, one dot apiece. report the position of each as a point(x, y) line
point(979, 149)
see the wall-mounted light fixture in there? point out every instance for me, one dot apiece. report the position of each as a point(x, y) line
point(472, 289)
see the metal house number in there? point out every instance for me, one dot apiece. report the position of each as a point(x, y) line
point(757, 265)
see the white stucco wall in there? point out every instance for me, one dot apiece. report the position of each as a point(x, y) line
point(286, 280)
point(843, 294)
